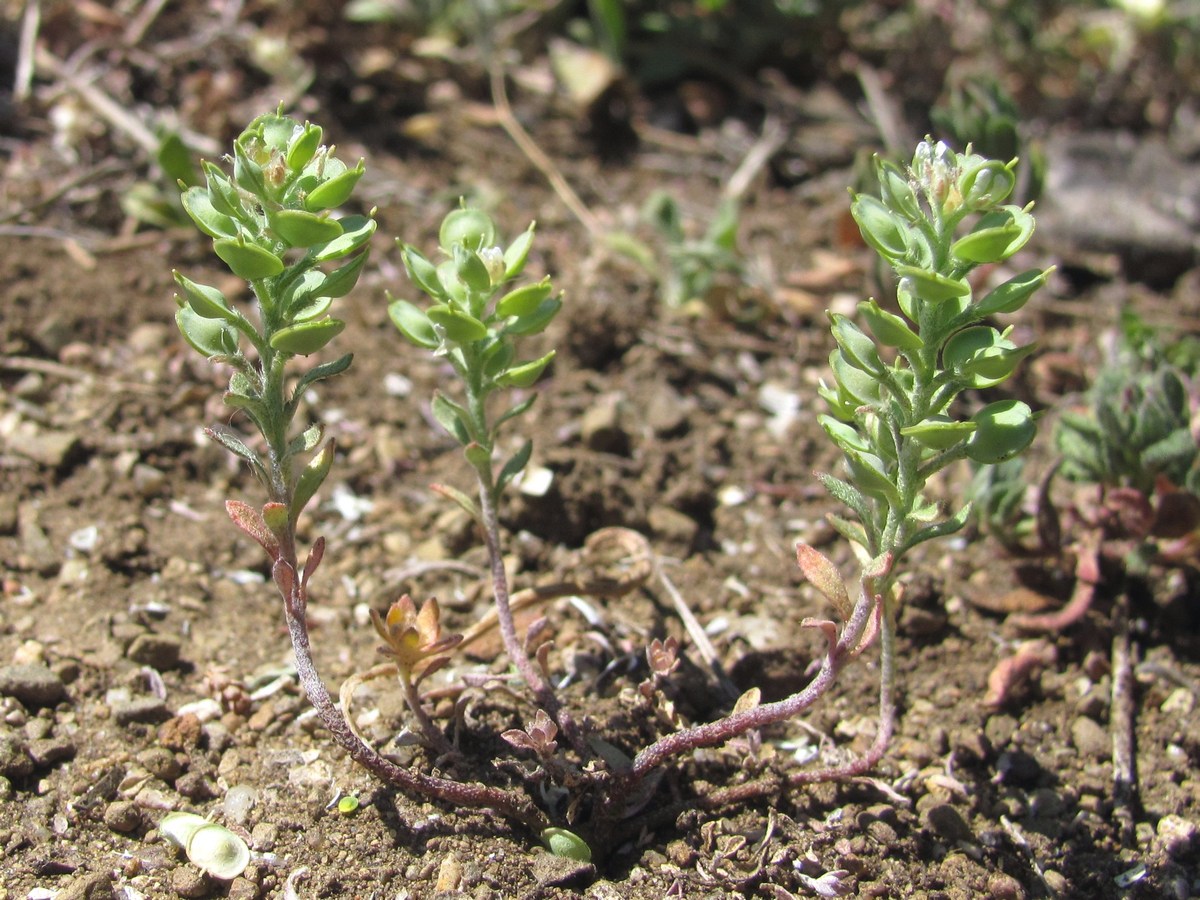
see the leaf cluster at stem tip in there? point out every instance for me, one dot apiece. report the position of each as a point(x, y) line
point(897, 372)
point(269, 215)
point(475, 317)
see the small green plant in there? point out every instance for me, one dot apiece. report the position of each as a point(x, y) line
point(893, 416)
point(271, 223)
point(695, 275)
point(892, 401)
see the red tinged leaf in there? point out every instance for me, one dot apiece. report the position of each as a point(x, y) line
point(825, 577)
point(250, 521)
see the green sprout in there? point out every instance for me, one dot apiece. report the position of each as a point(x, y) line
point(475, 319)
point(271, 223)
point(895, 382)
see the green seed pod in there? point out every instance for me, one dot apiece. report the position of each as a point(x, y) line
point(298, 228)
point(1013, 294)
point(306, 337)
point(471, 270)
point(206, 301)
point(524, 300)
point(524, 375)
point(356, 231)
point(939, 432)
point(536, 321)
point(208, 337)
point(341, 280)
point(472, 228)
point(880, 227)
point(457, 325)
point(422, 272)
point(303, 146)
point(413, 324)
point(1003, 429)
point(517, 253)
point(889, 329)
point(857, 349)
point(248, 261)
point(987, 184)
point(311, 478)
point(335, 191)
point(995, 237)
point(895, 190)
point(932, 287)
point(566, 844)
point(198, 204)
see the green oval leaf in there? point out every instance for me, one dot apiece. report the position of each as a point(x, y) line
point(524, 300)
point(524, 375)
point(206, 301)
point(456, 325)
point(208, 337)
point(1003, 429)
point(889, 328)
point(298, 228)
point(199, 206)
point(356, 231)
point(413, 324)
point(306, 337)
point(248, 261)
point(335, 191)
point(566, 844)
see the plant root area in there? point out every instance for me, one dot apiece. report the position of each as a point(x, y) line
point(144, 660)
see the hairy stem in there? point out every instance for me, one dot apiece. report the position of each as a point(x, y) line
point(512, 805)
point(542, 691)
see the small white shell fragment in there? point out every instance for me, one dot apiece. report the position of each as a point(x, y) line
point(209, 846)
point(535, 481)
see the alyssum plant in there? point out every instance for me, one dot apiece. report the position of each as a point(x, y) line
point(892, 417)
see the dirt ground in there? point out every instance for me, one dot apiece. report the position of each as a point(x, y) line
point(144, 662)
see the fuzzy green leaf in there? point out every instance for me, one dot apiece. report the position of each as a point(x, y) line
point(248, 261)
point(413, 324)
point(524, 375)
point(306, 337)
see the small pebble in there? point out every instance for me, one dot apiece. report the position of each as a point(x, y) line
point(1176, 834)
point(189, 882)
point(161, 763)
point(158, 651)
point(264, 836)
point(35, 686)
point(148, 710)
point(946, 821)
point(122, 816)
point(48, 751)
point(15, 763)
point(1090, 738)
point(1056, 882)
point(1181, 702)
point(195, 786)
